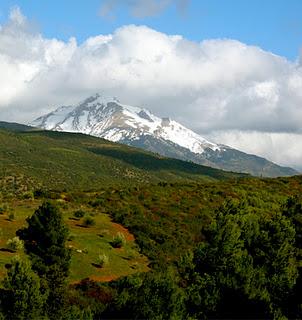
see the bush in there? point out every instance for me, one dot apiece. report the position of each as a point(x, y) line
point(119, 240)
point(103, 260)
point(71, 237)
point(3, 209)
point(41, 193)
point(28, 195)
point(15, 244)
point(88, 222)
point(11, 216)
point(79, 213)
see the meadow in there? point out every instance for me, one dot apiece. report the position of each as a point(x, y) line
point(86, 242)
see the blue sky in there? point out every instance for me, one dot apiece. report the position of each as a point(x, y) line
point(274, 25)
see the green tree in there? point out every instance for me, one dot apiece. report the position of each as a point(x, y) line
point(247, 264)
point(155, 295)
point(44, 241)
point(24, 299)
point(293, 210)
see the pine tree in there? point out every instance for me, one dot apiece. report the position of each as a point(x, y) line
point(44, 241)
point(248, 264)
point(24, 299)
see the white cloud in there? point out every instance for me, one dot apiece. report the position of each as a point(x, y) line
point(211, 85)
point(282, 148)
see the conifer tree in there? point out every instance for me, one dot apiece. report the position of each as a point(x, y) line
point(24, 299)
point(44, 241)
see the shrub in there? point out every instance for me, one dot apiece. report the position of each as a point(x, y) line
point(15, 244)
point(103, 260)
point(119, 240)
point(71, 237)
point(79, 213)
point(3, 209)
point(28, 195)
point(41, 193)
point(11, 216)
point(88, 222)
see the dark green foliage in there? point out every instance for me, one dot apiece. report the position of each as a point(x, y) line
point(118, 241)
point(88, 222)
point(246, 255)
point(44, 241)
point(24, 298)
point(76, 313)
point(45, 238)
point(41, 193)
point(293, 210)
point(79, 213)
point(150, 296)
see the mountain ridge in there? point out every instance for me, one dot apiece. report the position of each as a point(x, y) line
point(108, 118)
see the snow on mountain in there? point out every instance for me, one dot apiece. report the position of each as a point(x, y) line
point(108, 118)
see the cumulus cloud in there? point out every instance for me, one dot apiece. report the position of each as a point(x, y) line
point(141, 8)
point(211, 86)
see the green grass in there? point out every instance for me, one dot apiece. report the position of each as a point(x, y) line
point(86, 243)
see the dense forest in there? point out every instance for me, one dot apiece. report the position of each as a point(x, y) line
point(173, 241)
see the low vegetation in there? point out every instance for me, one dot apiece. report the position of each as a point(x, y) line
point(15, 244)
point(119, 240)
point(88, 222)
point(103, 260)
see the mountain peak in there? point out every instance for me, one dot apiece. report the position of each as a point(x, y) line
point(108, 118)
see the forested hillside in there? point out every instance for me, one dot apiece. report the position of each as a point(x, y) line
point(91, 229)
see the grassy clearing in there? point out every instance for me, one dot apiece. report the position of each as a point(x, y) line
point(86, 243)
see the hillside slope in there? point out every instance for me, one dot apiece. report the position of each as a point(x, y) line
point(59, 160)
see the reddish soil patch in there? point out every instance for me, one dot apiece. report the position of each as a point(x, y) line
point(104, 278)
point(119, 228)
point(99, 279)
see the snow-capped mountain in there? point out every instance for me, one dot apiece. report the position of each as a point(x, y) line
point(109, 119)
